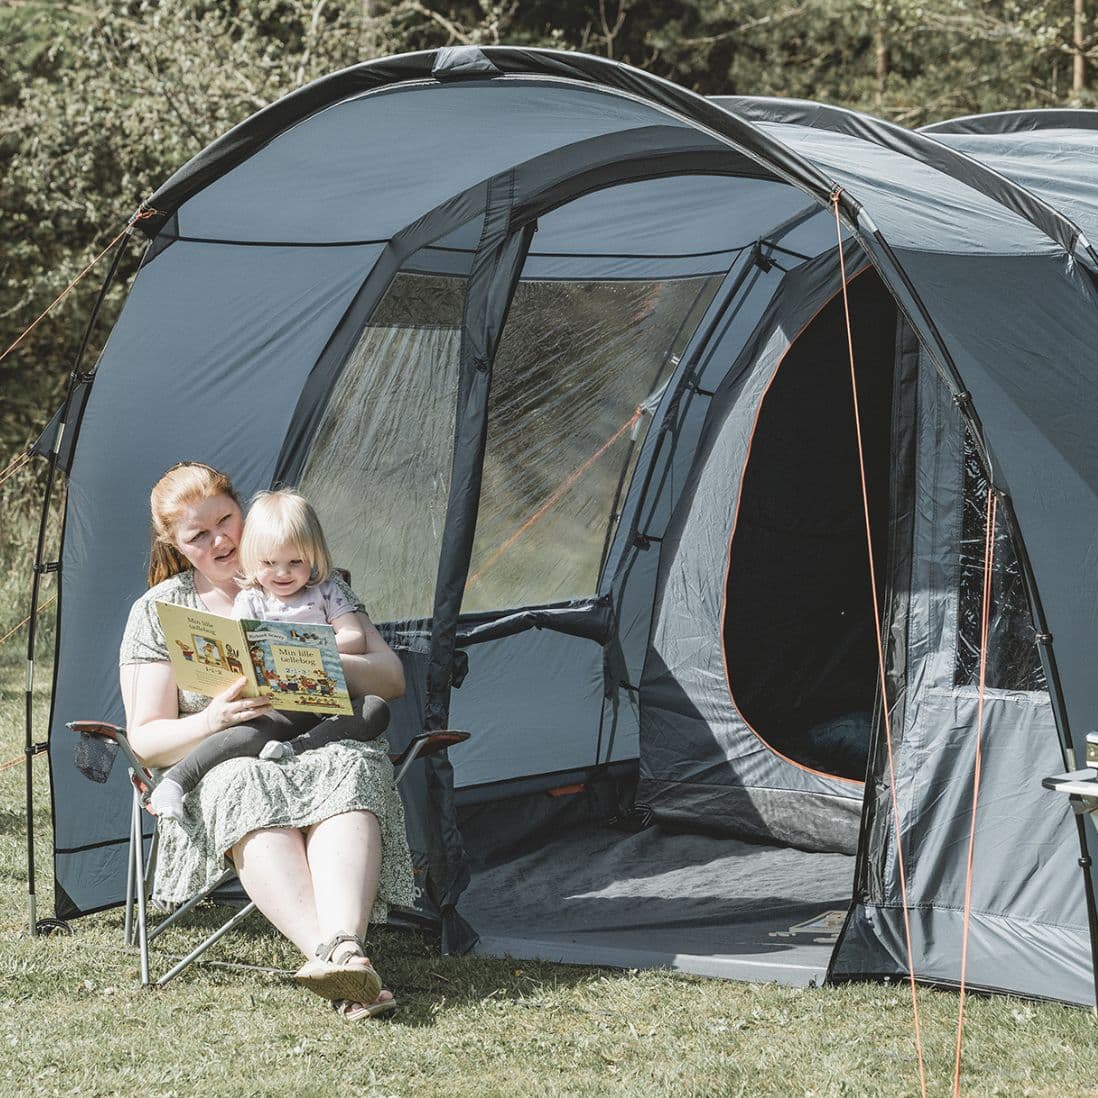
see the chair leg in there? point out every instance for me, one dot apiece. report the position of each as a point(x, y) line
point(194, 901)
point(412, 756)
point(150, 865)
point(131, 862)
point(242, 914)
point(138, 842)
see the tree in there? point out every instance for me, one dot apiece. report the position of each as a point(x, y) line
point(100, 103)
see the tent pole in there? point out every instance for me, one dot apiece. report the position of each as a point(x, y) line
point(686, 386)
point(620, 486)
point(41, 568)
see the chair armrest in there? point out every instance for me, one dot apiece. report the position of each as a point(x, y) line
point(99, 728)
point(426, 743)
point(113, 733)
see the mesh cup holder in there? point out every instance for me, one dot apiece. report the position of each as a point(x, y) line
point(94, 757)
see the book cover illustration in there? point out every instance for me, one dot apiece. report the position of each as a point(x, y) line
point(296, 665)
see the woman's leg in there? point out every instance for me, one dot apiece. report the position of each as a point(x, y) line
point(344, 856)
point(317, 885)
point(274, 870)
point(331, 868)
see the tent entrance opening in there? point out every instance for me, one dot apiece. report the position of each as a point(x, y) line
point(799, 625)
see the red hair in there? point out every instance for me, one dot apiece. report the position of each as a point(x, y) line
point(184, 484)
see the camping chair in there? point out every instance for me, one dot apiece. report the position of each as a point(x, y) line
point(99, 744)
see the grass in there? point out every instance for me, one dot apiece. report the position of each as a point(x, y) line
point(73, 1019)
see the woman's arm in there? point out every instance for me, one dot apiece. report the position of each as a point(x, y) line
point(378, 671)
point(157, 733)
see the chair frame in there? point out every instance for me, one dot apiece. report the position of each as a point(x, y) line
point(139, 870)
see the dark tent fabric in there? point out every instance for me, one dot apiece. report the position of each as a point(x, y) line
point(558, 350)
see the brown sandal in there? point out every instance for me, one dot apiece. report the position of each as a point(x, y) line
point(341, 980)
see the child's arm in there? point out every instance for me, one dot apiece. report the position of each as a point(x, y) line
point(245, 605)
point(350, 638)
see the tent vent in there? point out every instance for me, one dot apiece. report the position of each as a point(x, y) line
point(456, 62)
point(566, 790)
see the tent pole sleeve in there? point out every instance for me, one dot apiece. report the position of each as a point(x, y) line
point(1086, 864)
point(496, 267)
point(619, 487)
point(492, 282)
point(689, 370)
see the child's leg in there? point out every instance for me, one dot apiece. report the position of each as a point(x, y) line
point(240, 741)
point(370, 720)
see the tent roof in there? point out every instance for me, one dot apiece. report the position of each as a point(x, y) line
point(553, 99)
point(1053, 154)
point(1027, 121)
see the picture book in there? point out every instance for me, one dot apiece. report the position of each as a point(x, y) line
point(296, 665)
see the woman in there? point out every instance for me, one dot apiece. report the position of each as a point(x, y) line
point(318, 841)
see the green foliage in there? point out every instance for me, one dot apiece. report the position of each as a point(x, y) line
point(911, 60)
point(100, 104)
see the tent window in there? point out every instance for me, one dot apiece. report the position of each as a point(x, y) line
point(575, 361)
point(378, 471)
point(1012, 659)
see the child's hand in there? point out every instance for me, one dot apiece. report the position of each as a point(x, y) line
point(228, 709)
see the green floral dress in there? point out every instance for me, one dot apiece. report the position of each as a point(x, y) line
point(243, 795)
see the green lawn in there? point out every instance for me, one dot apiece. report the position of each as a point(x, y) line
point(73, 1019)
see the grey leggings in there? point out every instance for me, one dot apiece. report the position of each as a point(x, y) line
point(303, 732)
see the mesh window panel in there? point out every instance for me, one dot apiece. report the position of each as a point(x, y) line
point(1013, 662)
point(576, 361)
point(378, 471)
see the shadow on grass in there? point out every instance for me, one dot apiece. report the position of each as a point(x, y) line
point(426, 983)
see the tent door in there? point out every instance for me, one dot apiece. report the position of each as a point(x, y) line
point(1027, 918)
point(799, 629)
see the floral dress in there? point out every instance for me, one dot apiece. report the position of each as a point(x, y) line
point(244, 795)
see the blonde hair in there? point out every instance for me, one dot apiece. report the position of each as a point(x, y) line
point(278, 518)
point(183, 485)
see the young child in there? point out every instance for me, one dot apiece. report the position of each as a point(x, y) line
point(287, 576)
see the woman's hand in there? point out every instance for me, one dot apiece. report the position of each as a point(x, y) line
point(228, 708)
point(157, 732)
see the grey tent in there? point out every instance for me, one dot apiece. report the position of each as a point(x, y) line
point(559, 351)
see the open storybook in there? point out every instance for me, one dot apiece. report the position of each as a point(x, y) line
point(296, 665)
